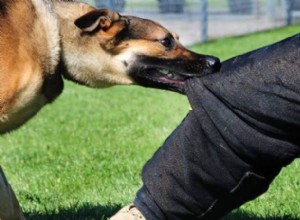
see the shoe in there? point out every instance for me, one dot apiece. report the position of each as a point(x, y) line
point(129, 212)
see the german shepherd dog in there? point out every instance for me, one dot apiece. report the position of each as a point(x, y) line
point(42, 41)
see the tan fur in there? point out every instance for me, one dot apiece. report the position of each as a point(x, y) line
point(39, 43)
point(31, 36)
point(85, 49)
point(21, 71)
point(43, 40)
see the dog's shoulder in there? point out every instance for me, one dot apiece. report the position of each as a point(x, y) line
point(30, 40)
point(5, 5)
point(3, 8)
point(33, 25)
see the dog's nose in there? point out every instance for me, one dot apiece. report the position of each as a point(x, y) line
point(214, 63)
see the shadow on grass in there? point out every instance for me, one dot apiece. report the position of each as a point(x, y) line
point(242, 215)
point(77, 212)
point(100, 212)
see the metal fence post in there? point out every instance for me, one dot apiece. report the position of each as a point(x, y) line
point(110, 4)
point(271, 9)
point(289, 6)
point(204, 16)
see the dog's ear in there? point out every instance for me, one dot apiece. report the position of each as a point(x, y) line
point(100, 18)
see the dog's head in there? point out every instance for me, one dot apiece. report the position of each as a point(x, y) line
point(142, 52)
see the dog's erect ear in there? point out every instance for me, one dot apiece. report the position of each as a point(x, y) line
point(101, 18)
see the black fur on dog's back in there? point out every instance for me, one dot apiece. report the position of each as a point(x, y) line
point(3, 8)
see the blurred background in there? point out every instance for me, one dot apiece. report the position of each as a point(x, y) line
point(202, 20)
point(81, 158)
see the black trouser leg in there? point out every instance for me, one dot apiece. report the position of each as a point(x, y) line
point(195, 176)
point(244, 127)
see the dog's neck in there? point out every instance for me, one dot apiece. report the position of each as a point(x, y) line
point(50, 34)
point(82, 58)
point(55, 22)
point(70, 10)
point(57, 17)
point(66, 13)
point(73, 46)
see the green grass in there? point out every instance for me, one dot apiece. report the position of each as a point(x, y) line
point(81, 157)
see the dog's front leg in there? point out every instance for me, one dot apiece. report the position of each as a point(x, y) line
point(9, 205)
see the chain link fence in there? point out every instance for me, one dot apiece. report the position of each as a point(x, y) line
point(201, 20)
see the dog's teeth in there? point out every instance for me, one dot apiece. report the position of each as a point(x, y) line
point(164, 71)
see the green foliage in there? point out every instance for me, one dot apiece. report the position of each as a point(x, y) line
point(81, 157)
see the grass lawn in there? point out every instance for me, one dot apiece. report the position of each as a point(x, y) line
point(81, 157)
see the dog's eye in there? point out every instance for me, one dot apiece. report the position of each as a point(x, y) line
point(167, 42)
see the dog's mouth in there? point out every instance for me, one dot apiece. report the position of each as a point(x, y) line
point(170, 76)
point(161, 78)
